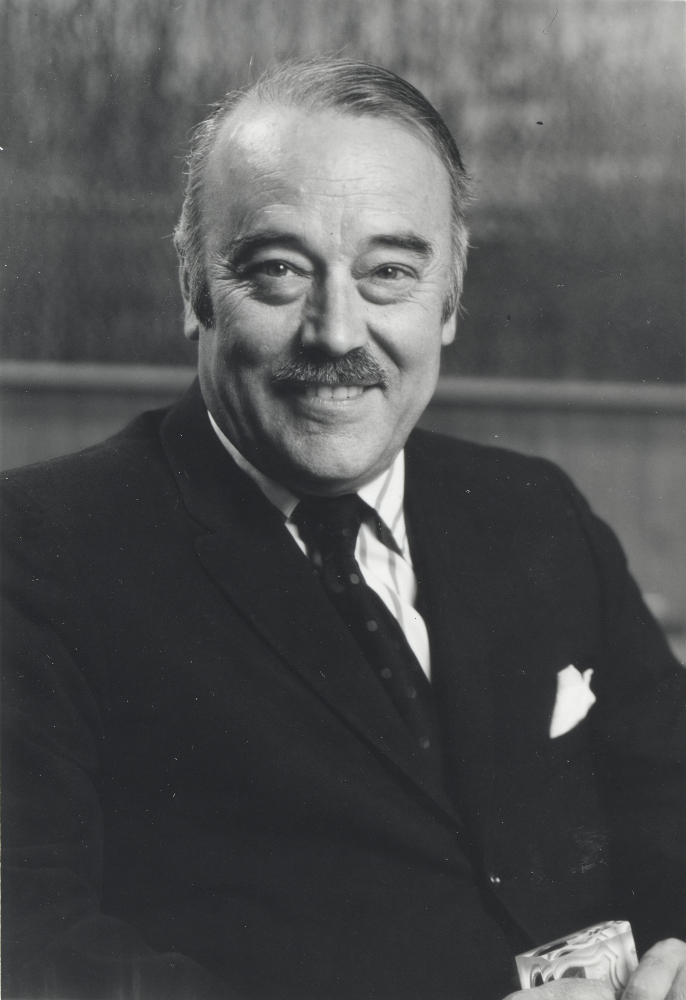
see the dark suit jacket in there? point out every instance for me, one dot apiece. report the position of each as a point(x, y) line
point(206, 790)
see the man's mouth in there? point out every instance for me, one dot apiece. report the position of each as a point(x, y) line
point(324, 391)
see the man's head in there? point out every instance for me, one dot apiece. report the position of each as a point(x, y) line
point(323, 246)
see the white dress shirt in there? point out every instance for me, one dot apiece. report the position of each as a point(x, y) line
point(389, 574)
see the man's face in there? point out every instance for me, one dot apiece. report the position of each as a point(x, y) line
point(328, 259)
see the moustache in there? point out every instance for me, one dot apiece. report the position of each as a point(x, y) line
point(358, 366)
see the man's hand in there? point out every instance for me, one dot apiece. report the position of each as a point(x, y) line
point(661, 975)
point(567, 989)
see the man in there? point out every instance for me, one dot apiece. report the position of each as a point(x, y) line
point(302, 703)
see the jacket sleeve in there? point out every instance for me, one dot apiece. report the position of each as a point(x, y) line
point(640, 745)
point(56, 942)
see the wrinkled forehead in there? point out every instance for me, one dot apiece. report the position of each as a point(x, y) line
point(277, 154)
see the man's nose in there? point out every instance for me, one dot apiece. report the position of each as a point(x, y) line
point(334, 321)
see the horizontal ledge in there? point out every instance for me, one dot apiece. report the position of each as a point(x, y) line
point(516, 394)
point(545, 394)
point(62, 376)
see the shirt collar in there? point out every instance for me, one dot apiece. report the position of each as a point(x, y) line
point(385, 494)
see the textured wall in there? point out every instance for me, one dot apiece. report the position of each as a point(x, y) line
point(570, 116)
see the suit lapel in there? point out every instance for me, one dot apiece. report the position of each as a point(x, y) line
point(252, 557)
point(460, 587)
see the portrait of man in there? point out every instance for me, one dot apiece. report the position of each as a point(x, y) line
point(303, 702)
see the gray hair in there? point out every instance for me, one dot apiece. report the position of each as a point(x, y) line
point(324, 83)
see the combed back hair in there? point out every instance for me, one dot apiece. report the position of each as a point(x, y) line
point(315, 84)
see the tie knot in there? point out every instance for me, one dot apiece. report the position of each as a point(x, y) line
point(332, 523)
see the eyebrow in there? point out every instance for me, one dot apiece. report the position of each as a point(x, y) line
point(240, 249)
point(405, 241)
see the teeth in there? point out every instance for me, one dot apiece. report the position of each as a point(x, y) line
point(333, 392)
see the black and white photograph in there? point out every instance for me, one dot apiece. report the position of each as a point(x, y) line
point(343, 510)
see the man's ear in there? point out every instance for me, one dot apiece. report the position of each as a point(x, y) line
point(449, 329)
point(191, 324)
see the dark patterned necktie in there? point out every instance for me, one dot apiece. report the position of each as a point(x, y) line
point(330, 525)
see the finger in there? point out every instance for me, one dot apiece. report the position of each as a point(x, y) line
point(678, 988)
point(661, 973)
point(567, 989)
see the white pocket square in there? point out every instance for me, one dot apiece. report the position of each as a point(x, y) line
point(574, 698)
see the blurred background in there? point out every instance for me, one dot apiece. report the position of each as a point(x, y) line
point(570, 116)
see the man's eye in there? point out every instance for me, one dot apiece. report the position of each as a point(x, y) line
point(276, 281)
point(388, 283)
point(272, 269)
point(391, 272)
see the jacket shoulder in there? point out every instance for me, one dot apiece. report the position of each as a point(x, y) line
point(493, 471)
point(93, 479)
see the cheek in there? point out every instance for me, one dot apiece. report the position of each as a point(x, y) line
point(414, 344)
point(252, 334)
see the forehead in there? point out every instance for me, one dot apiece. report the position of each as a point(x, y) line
point(274, 163)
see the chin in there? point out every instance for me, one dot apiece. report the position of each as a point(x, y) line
point(333, 474)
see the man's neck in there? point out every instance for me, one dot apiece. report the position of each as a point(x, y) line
point(384, 493)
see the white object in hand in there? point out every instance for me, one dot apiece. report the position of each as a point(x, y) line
point(605, 951)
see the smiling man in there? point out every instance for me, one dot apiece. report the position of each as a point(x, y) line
point(325, 237)
point(302, 702)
